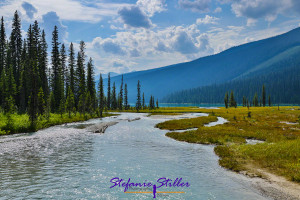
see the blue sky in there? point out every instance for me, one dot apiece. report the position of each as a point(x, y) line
point(132, 35)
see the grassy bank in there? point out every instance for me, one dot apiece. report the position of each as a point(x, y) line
point(280, 129)
point(21, 123)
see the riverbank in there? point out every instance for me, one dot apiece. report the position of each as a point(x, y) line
point(21, 123)
point(276, 157)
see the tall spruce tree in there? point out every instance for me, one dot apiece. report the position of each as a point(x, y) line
point(43, 63)
point(121, 96)
point(143, 101)
point(2, 45)
point(101, 95)
point(226, 100)
point(15, 45)
point(70, 102)
point(91, 83)
point(71, 67)
point(264, 96)
point(33, 83)
point(63, 70)
point(126, 105)
point(114, 104)
point(232, 102)
point(56, 72)
point(108, 102)
point(138, 100)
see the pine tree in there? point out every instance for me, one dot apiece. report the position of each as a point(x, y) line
point(33, 76)
point(269, 101)
point(63, 70)
point(15, 45)
point(153, 104)
point(56, 72)
point(80, 72)
point(114, 105)
point(232, 102)
point(71, 68)
point(143, 104)
point(101, 95)
point(157, 103)
point(150, 103)
point(108, 93)
point(43, 62)
point(121, 96)
point(2, 46)
point(138, 101)
point(24, 80)
point(91, 83)
point(263, 96)
point(70, 102)
point(226, 100)
point(126, 97)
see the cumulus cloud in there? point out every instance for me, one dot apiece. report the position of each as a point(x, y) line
point(184, 44)
point(218, 10)
point(109, 46)
point(134, 17)
point(263, 9)
point(195, 5)
point(150, 7)
point(66, 9)
point(29, 9)
point(207, 20)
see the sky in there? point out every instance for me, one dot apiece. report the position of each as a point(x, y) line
point(132, 35)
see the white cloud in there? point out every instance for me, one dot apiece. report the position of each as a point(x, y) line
point(150, 7)
point(218, 10)
point(66, 9)
point(207, 20)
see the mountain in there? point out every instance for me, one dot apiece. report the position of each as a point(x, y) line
point(244, 61)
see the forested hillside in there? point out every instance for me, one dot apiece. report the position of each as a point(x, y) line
point(282, 85)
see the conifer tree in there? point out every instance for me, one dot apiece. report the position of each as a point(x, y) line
point(157, 103)
point(232, 101)
point(114, 105)
point(91, 83)
point(143, 104)
point(71, 68)
point(63, 69)
point(138, 100)
point(263, 96)
point(33, 82)
point(15, 44)
point(2, 45)
point(269, 101)
point(108, 93)
point(56, 72)
point(43, 63)
point(121, 96)
point(101, 95)
point(126, 97)
point(226, 100)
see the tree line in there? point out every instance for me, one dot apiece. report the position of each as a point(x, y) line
point(30, 84)
point(229, 101)
point(283, 84)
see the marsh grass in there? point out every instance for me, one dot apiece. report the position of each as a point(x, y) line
point(279, 154)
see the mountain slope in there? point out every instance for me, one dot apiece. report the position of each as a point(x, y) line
point(237, 62)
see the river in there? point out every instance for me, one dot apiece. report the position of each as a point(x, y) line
point(68, 162)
